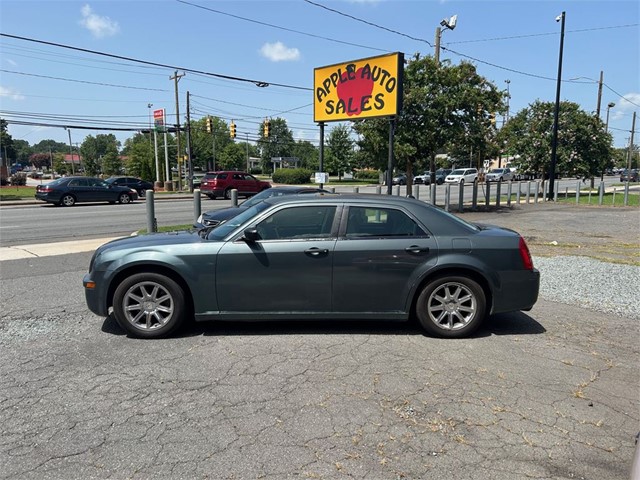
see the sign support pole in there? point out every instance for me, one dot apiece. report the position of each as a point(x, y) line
point(390, 164)
point(321, 164)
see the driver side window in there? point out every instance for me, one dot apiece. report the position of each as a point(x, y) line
point(296, 223)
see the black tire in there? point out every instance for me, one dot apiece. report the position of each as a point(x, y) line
point(124, 198)
point(68, 200)
point(161, 311)
point(141, 193)
point(227, 194)
point(451, 306)
point(211, 196)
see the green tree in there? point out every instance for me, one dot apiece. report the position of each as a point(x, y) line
point(339, 150)
point(207, 147)
point(23, 151)
point(111, 164)
point(278, 144)
point(307, 153)
point(93, 148)
point(59, 165)
point(7, 150)
point(233, 157)
point(140, 157)
point(584, 147)
point(442, 104)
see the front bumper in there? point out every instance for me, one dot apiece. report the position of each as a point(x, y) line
point(95, 295)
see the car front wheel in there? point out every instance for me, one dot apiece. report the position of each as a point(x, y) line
point(68, 200)
point(124, 198)
point(149, 305)
point(451, 306)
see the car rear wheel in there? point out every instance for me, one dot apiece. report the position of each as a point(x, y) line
point(451, 306)
point(68, 200)
point(149, 305)
point(227, 194)
point(124, 198)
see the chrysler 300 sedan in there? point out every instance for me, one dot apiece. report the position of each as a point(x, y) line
point(315, 257)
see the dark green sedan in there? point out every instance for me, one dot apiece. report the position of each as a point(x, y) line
point(316, 257)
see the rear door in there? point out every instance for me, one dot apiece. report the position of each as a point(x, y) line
point(380, 254)
point(79, 187)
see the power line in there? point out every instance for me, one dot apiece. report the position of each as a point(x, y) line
point(368, 23)
point(513, 37)
point(83, 81)
point(281, 27)
point(258, 83)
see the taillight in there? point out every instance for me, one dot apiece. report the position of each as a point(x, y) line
point(44, 189)
point(527, 261)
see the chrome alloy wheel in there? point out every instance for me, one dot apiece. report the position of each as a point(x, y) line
point(148, 305)
point(452, 306)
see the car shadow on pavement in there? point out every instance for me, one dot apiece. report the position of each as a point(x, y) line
point(515, 323)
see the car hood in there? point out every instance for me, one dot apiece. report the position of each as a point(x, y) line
point(153, 240)
point(225, 213)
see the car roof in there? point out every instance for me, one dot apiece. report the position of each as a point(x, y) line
point(348, 198)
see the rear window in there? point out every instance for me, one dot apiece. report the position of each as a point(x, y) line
point(210, 176)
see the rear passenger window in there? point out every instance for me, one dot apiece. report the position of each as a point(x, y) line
point(380, 222)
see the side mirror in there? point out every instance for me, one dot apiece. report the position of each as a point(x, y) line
point(251, 235)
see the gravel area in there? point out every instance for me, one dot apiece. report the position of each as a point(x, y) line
point(589, 283)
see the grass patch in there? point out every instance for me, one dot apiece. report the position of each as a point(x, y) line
point(608, 199)
point(12, 193)
point(168, 228)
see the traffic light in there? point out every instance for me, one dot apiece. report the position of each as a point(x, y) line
point(267, 128)
point(232, 130)
point(209, 124)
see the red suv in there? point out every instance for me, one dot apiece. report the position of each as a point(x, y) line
point(220, 184)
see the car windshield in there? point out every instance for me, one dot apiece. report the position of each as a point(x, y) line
point(219, 233)
point(258, 197)
point(497, 170)
point(459, 171)
point(58, 181)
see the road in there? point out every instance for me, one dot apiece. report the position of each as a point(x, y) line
point(54, 224)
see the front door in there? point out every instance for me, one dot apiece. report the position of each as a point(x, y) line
point(287, 270)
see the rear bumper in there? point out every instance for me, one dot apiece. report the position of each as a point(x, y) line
point(518, 291)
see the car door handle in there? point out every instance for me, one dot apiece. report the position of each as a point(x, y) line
point(315, 251)
point(416, 249)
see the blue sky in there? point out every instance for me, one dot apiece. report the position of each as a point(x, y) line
point(516, 41)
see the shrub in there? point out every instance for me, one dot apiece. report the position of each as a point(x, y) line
point(292, 176)
point(19, 179)
point(373, 175)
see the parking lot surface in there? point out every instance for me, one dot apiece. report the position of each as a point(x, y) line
point(546, 394)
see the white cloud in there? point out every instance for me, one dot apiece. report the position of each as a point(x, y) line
point(10, 93)
point(279, 52)
point(99, 27)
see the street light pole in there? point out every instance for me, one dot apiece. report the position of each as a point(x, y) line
point(610, 105)
point(505, 119)
point(73, 171)
point(556, 113)
point(448, 24)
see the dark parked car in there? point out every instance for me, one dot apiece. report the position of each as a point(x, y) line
point(220, 184)
point(137, 184)
point(213, 218)
point(317, 257)
point(68, 191)
point(629, 175)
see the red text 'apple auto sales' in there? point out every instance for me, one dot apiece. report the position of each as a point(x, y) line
point(354, 89)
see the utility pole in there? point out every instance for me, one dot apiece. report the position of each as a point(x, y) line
point(633, 129)
point(599, 94)
point(505, 119)
point(437, 46)
point(189, 159)
point(176, 78)
point(556, 113)
point(248, 168)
